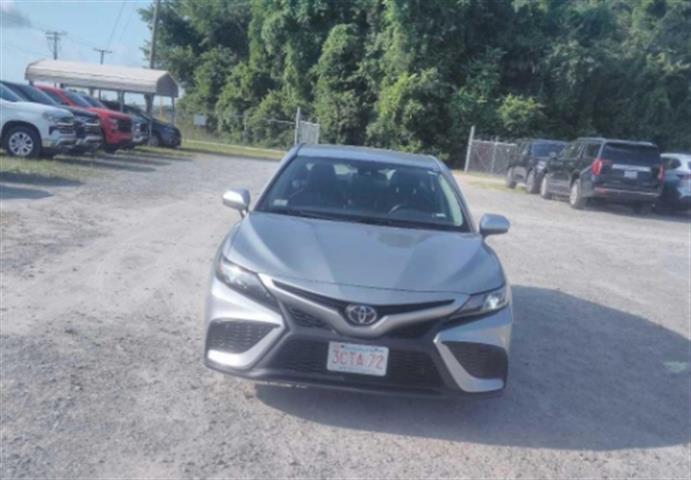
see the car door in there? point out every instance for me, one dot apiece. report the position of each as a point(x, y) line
point(522, 163)
point(560, 168)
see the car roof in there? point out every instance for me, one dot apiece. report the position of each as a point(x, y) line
point(542, 140)
point(614, 140)
point(679, 155)
point(351, 152)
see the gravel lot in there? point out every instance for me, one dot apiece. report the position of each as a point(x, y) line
point(103, 281)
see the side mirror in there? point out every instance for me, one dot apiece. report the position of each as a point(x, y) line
point(238, 199)
point(491, 224)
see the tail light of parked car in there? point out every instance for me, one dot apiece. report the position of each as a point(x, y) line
point(596, 167)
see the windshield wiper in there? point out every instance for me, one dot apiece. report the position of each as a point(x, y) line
point(297, 212)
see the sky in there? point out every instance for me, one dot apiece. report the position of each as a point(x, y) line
point(88, 24)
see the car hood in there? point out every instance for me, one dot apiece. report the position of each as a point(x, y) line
point(109, 113)
point(41, 108)
point(360, 255)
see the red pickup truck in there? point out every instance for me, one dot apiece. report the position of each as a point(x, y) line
point(116, 126)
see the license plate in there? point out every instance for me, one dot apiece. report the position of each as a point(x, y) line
point(353, 358)
point(630, 174)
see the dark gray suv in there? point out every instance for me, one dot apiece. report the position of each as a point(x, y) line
point(528, 162)
point(617, 171)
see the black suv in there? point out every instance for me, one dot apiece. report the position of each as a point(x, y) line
point(619, 171)
point(528, 162)
point(162, 134)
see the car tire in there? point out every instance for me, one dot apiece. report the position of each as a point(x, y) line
point(531, 184)
point(22, 141)
point(576, 198)
point(544, 187)
point(110, 149)
point(641, 208)
point(155, 140)
point(509, 181)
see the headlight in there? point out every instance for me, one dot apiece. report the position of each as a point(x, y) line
point(244, 282)
point(485, 302)
point(53, 118)
point(113, 123)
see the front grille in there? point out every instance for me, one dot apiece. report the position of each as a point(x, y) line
point(304, 319)
point(480, 360)
point(406, 368)
point(92, 128)
point(124, 125)
point(236, 336)
point(341, 305)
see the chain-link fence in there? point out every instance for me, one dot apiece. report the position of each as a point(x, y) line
point(488, 156)
point(250, 130)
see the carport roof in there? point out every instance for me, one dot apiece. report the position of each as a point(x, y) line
point(105, 77)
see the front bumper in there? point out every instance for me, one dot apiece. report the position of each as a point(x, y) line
point(88, 143)
point(428, 354)
point(59, 139)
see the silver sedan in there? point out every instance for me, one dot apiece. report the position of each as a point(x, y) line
point(362, 269)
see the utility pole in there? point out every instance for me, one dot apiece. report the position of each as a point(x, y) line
point(102, 51)
point(53, 37)
point(152, 55)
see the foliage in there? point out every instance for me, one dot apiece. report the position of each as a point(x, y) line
point(416, 74)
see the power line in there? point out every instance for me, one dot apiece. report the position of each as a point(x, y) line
point(21, 49)
point(115, 25)
point(53, 37)
point(127, 23)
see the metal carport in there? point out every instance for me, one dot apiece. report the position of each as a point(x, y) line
point(114, 78)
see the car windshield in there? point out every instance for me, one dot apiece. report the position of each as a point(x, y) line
point(544, 149)
point(367, 192)
point(77, 99)
point(95, 102)
point(631, 153)
point(9, 95)
point(35, 95)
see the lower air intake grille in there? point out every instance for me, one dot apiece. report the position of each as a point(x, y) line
point(406, 368)
point(304, 319)
point(480, 360)
point(236, 336)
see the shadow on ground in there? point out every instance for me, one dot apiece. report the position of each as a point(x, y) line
point(10, 192)
point(583, 376)
point(102, 164)
point(38, 179)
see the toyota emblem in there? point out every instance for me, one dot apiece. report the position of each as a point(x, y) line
point(361, 314)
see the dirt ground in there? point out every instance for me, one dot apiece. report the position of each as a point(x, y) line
point(103, 282)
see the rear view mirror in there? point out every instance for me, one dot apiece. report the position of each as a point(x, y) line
point(238, 199)
point(491, 224)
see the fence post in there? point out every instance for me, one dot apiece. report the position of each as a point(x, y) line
point(297, 126)
point(494, 156)
point(467, 150)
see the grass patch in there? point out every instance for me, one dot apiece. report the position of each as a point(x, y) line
point(45, 167)
point(228, 149)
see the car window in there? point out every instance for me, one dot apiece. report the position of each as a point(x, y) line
point(591, 150)
point(9, 95)
point(671, 163)
point(544, 149)
point(364, 191)
point(77, 99)
point(35, 95)
point(55, 97)
point(570, 150)
point(631, 153)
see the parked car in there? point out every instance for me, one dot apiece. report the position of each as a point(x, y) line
point(162, 134)
point(116, 127)
point(140, 126)
point(618, 171)
point(676, 193)
point(86, 124)
point(528, 162)
point(31, 129)
point(360, 268)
